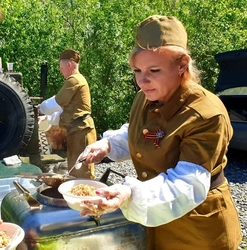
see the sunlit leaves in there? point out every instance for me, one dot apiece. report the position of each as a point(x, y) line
point(36, 31)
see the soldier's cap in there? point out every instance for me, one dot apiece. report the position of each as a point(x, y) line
point(71, 55)
point(156, 31)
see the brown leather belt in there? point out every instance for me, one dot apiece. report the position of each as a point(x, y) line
point(78, 121)
point(217, 180)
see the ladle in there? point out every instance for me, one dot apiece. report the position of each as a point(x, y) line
point(77, 165)
point(53, 179)
point(84, 156)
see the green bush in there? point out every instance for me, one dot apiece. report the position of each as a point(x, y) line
point(34, 32)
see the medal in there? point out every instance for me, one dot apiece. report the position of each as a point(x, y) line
point(155, 137)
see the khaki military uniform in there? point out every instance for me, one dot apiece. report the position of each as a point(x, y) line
point(196, 129)
point(74, 98)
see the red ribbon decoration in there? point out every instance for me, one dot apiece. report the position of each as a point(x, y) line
point(156, 137)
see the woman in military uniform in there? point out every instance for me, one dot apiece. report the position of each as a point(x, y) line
point(70, 108)
point(177, 138)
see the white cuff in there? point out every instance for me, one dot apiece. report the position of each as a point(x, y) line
point(118, 140)
point(167, 196)
point(49, 106)
point(54, 118)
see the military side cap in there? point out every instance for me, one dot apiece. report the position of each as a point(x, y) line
point(70, 54)
point(156, 31)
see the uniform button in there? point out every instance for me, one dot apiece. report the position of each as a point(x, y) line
point(156, 110)
point(144, 131)
point(138, 155)
point(144, 175)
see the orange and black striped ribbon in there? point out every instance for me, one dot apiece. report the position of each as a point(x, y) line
point(156, 137)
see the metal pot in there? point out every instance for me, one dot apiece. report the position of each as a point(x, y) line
point(50, 196)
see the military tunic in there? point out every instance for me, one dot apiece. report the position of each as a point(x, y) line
point(194, 127)
point(74, 98)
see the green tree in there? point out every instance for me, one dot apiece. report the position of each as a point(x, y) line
point(36, 31)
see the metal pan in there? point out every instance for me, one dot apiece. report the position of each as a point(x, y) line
point(50, 179)
point(54, 180)
point(50, 196)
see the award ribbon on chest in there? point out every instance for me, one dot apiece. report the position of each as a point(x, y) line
point(155, 137)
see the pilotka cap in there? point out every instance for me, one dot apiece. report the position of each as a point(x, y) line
point(156, 31)
point(70, 54)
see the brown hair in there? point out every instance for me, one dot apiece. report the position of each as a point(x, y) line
point(70, 54)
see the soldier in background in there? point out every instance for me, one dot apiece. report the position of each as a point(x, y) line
point(70, 108)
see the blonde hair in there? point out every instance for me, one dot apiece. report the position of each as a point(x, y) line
point(176, 54)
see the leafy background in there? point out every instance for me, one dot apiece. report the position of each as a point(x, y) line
point(35, 32)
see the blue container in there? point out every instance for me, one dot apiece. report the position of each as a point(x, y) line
point(61, 228)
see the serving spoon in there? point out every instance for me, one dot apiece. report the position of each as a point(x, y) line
point(79, 162)
point(77, 165)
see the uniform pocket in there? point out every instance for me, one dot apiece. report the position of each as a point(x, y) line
point(214, 203)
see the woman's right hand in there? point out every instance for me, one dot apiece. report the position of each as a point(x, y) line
point(95, 152)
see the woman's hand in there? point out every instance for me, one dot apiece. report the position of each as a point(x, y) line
point(111, 199)
point(94, 152)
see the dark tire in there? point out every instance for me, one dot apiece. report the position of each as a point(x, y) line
point(16, 117)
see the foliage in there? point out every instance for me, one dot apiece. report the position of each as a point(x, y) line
point(214, 27)
point(34, 32)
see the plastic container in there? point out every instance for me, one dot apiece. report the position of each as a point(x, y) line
point(73, 201)
point(15, 232)
point(62, 228)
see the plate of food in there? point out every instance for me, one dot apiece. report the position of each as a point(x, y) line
point(75, 191)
